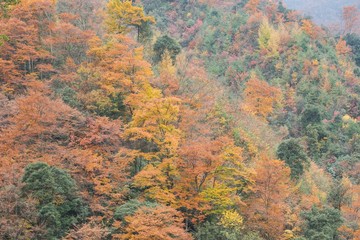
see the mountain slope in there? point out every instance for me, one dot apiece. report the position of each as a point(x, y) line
point(176, 120)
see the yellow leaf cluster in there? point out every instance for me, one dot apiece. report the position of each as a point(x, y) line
point(122, 14)
point(232, 219)
point(269, 39)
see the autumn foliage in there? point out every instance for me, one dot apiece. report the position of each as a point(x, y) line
point(176, 120)
point(260, 97)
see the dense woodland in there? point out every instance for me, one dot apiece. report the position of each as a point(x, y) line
point(187, 119)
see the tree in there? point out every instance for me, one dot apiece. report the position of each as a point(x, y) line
point(116, 70)
point(211, 178)
point(252, 5)
point(316, 140)
point(210, 231)
point(156, 223)
point(167, 80)
point(152, 131)
point(101, 159)
point(91, 231)
point(267, 207)
point(269, 39)
point(84, 14)
point(157, 182)
point(166, 44)
point(348, 199)
point(233, 222)
point(342, 48)
point(68, 41)
point(309, 28)
point(40, 109)
point(351, 18)
point(314, 187)
point(260, 97)
point(340, 193)
point(321, 223)
point(130, 207)
point(122, 14)
point(311, 115)
point(353, 40)
point(24, 52)
point(18, 216)
point(59, 206)
point(34, 123)
point(229, 227)
point(153, 127)
point(294, 156)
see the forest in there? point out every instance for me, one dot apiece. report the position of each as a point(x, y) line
point(186, 119)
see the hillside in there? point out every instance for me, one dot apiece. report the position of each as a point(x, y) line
point(158, 119)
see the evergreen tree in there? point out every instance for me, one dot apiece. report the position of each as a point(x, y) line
point(163, 44)
point(294, 156)
point(321, 224)
point(59, 206)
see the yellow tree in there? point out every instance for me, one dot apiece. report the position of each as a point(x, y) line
point(157, 182)
point(313, 187)
point(154, 136)
point(269, 39)
point(116, 70)
point(153, 126)
point(228, 181)
point(122, 15)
